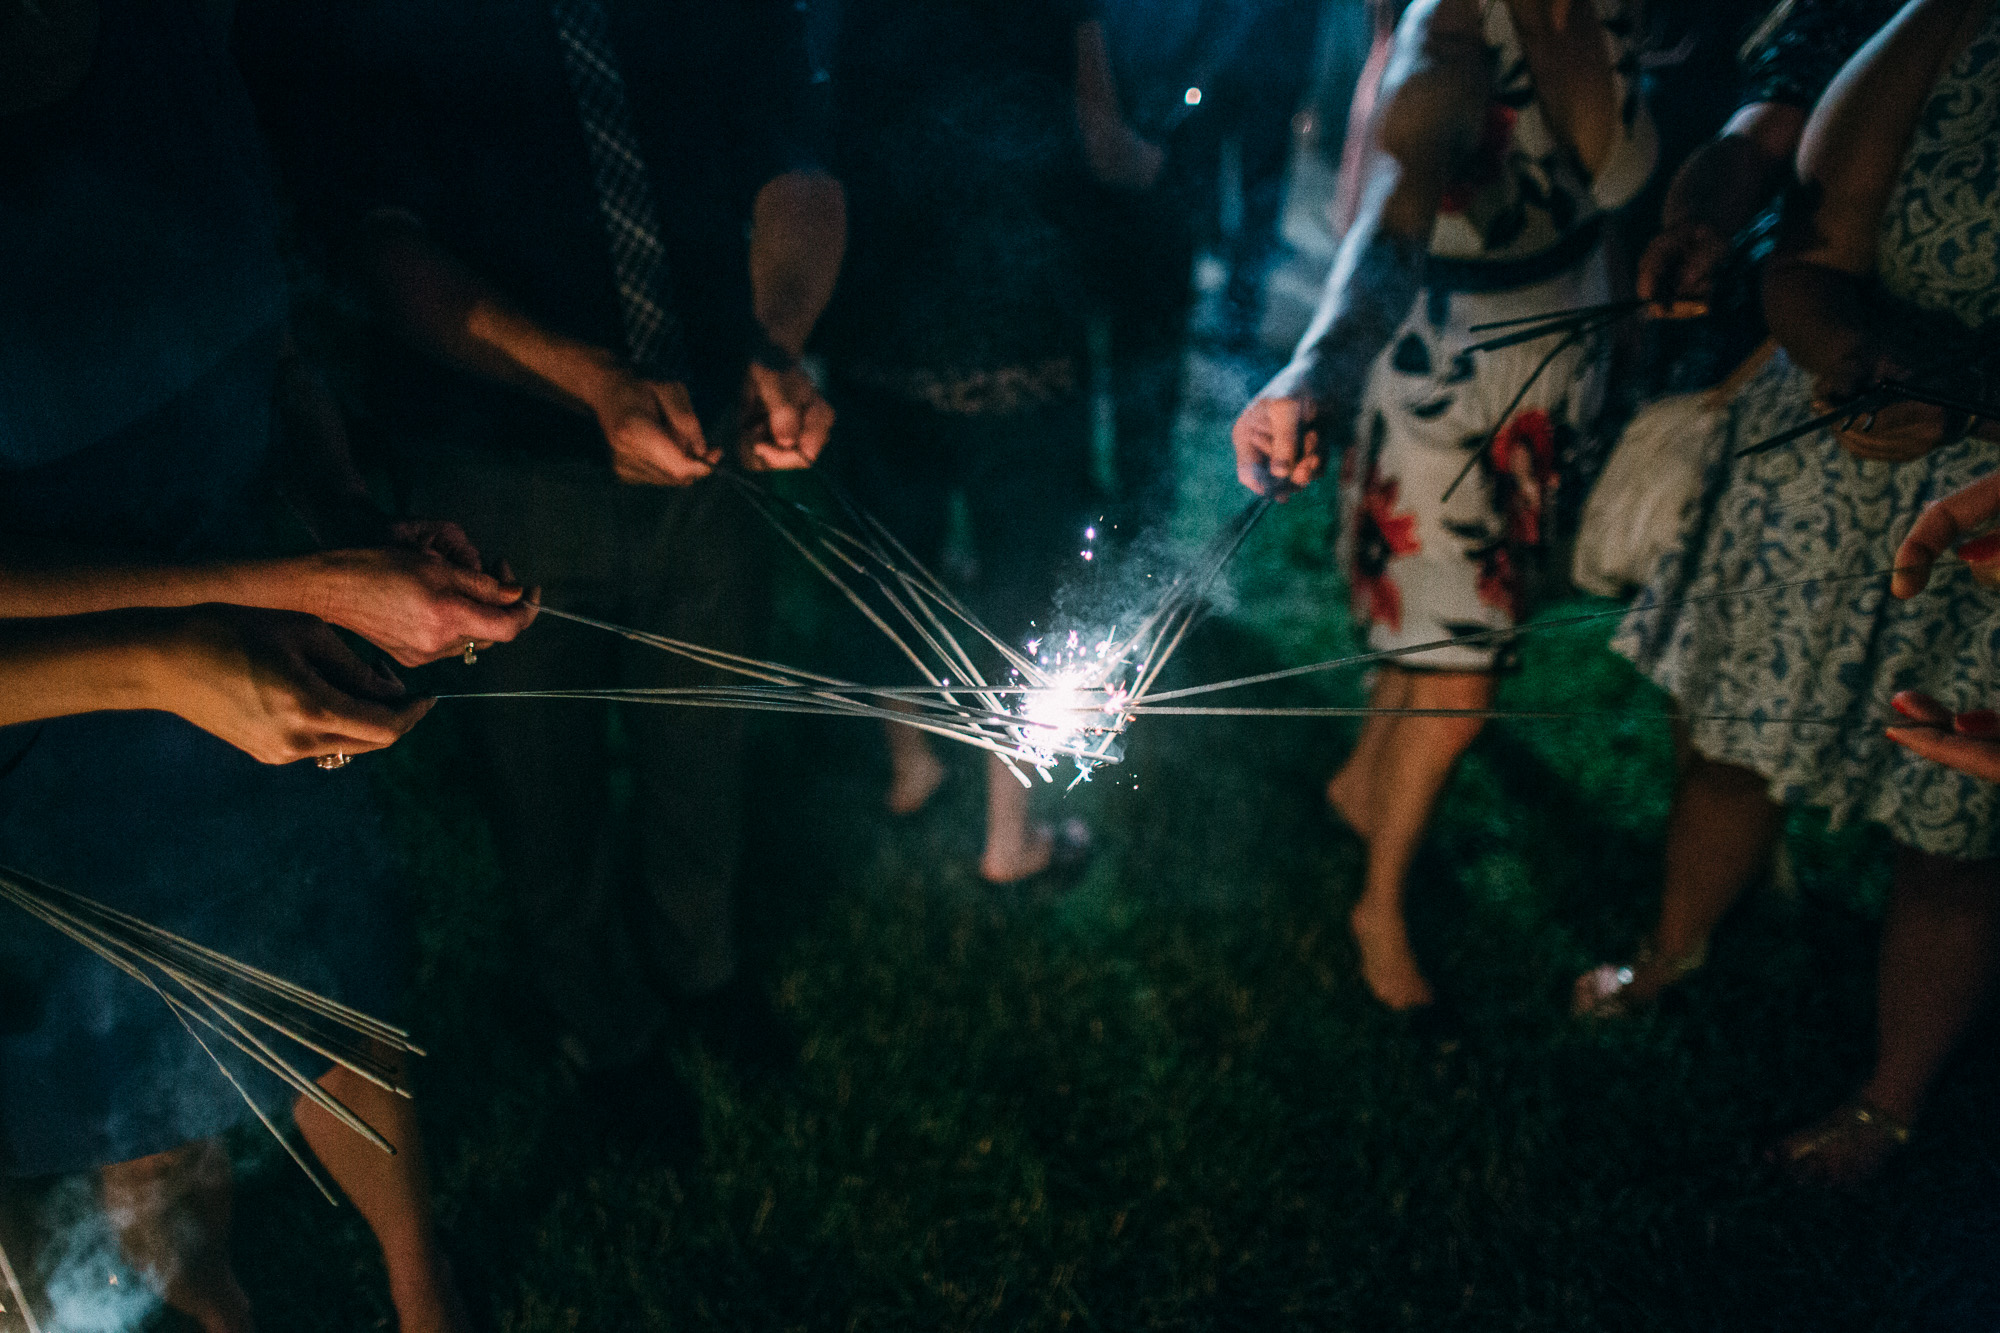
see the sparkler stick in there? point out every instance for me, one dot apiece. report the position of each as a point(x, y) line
point(1867, 405)
point(1489, 636)
point(1514, 714)
point(20, 1297)
point(1608, 309)
point(224, 997)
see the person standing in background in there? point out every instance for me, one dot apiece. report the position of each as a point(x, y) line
point(585, 316)
point(967, 131)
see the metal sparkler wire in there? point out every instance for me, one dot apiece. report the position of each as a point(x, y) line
point(1515, 714)
point(1568, 340)
point(20, 1297)
point(1867, 404)
point(207, 990)
point(1539, 626)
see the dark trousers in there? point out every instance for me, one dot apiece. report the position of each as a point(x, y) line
point(1142, 264)
point(612, 915)
point(1026, 483)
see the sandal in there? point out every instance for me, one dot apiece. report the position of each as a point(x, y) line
point(1606, 990)
point(1846, 1148)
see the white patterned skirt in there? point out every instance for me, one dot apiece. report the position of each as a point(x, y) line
point(1423, 569)
point(1813, 666)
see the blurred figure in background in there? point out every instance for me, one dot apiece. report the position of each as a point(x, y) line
point(1504, 132)
point(1192, 76)
point(957, 347)
point(584, 315)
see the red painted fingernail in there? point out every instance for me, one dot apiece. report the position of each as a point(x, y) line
point(1903, 704)
point(1981, 549)
point(1978, 722)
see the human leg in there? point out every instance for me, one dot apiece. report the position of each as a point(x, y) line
point(392, 1194)
point(171, 1211)
point(1416, 759)
point(1937, 966)
point(1350, 793)
point(1030, 496)
point(1720, 833)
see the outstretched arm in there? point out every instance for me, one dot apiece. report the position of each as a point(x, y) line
point(431, 299)
point(277, 687)
point(1428, 120)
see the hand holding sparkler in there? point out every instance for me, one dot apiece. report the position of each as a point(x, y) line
point(419, 604)
point(785, 419)
point(651, 427)
point(1277, 443)
point(1968, 742)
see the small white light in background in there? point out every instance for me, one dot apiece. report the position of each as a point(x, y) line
point(1192, 97)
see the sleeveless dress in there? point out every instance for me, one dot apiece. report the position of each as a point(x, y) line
point(139, 334)
point(1838, 652)
point(1519, 233)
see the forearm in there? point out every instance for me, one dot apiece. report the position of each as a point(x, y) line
point(1376, 277)
point(433, 301)
point(1727, 180)
point(1815, 312)
point(798, 235)
point(37, 590)
point(60, 668)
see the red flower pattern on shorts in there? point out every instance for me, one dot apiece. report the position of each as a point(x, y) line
point(1524, 472)
point(1381, 535)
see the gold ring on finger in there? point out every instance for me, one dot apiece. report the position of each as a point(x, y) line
point(329, 762)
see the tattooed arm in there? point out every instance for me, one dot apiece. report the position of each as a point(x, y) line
point(1428, 120)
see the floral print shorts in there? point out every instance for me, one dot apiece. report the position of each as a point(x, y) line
point(1444, 577)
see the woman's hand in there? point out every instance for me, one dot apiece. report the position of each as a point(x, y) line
point(420, 603)
point(1945, 522)
point(278, 686)
point(1968, 742)
point(1898, 432)
point(1278, 445)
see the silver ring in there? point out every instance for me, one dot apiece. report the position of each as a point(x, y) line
point(471, 653)
point(329, 762)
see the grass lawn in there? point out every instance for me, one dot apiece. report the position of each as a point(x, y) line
point(1165, 1100)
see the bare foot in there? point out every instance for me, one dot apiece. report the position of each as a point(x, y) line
point(1612, 990)
point(1016, 862)
point(1347, 798)
point(916, 777)
point(1847, 1147)
point(1387, 964)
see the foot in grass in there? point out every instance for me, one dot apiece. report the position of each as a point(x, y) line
point(1009, 861)
point(1387, 963)
point(1847, 1147)
point(1347, 800)
point(916, 778)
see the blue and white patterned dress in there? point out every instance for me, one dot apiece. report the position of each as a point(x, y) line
point(1839, 650)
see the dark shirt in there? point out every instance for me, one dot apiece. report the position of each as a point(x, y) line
point(1799, 60)
point(460, 112)
point(957, 141)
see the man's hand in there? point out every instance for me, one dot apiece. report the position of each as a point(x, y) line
point(1968, 742)
point(417, 605)
point(1677, 272)
point(785, 420)
point(655, 437)
point(1944, 522)
point(278, 686)
point(1278, 444)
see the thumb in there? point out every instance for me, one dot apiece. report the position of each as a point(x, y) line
point(481, 587)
